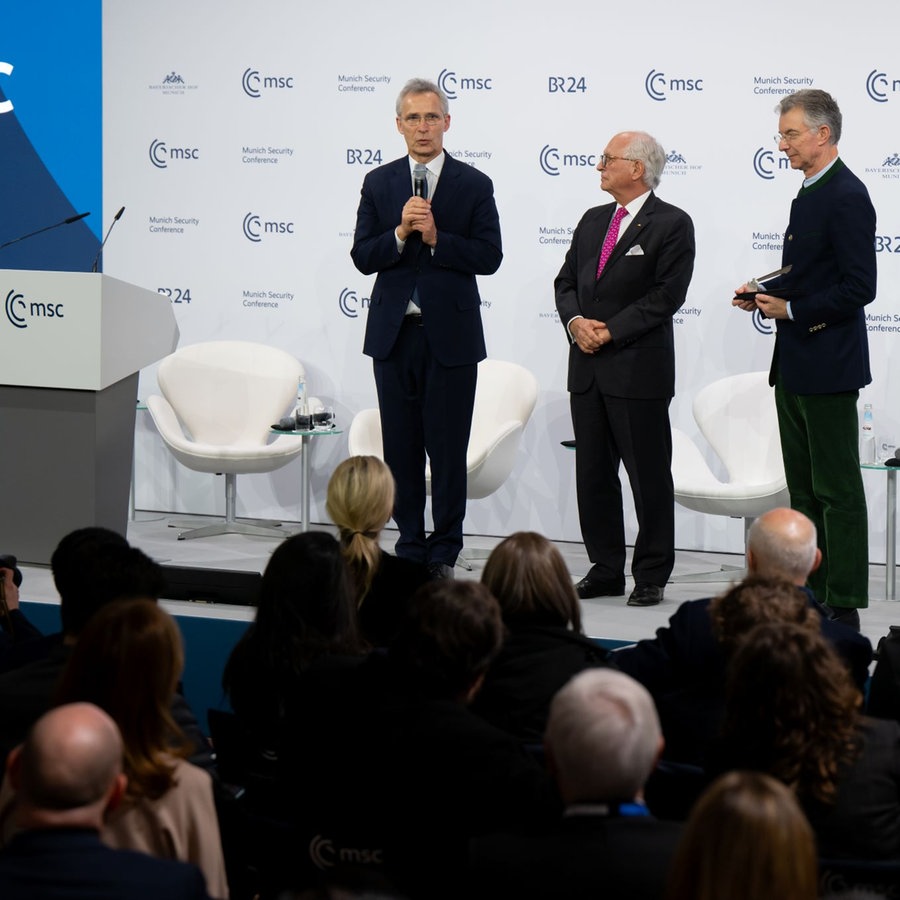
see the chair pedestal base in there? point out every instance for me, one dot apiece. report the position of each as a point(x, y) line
point(723, 574)
point(257, 527)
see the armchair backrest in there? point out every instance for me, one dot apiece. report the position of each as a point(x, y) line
point(229, 392)
point(737, 416)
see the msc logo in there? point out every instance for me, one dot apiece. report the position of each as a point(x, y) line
point(765, 165)
point(19, 311)
point(879, 86)
point(255, 229)
point(658, 87)
point(552, 160)
point(6, 69)
point(450, 83)
point(160, 154)
point(365, 157)
point(325, 855)
point(254, 83)
point(566, 84)
point(762, 324)
point(350, 304)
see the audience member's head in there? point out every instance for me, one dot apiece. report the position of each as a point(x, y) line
point(792, 708)
point(95, 566)
point(360, 501)
point(746, 839)
point(452, 633)
point(68, 772)
point(529, 578)
point(128, 661)
point(306, 610)
point(781, 544)
point(756, 601)
point(603, 738)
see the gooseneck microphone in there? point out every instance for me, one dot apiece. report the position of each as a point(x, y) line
point(68, 221)
point(420, 181)
point(116, 218)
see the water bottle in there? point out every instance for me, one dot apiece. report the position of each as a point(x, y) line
point(867, 441)
point(301, 410)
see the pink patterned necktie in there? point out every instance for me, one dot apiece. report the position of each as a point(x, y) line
point(611, 237)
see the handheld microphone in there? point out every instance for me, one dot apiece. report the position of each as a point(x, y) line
point(68, 221)
point(420, 181)
point(116, 218)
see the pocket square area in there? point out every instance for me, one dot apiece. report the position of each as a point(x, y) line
point(636, 250)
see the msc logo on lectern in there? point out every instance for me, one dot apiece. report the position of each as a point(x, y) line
point(325, 855)
point(19, 310)
point(6, 69)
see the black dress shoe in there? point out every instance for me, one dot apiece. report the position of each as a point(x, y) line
point(439, 571)
point(589, 587)
point(645, 594)
point(846, 615)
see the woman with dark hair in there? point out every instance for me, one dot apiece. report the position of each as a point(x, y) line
point(127, 661)
point(544, 644)
point(360, 501)
point(746, 839)
point(792, 711)
point(305, 630)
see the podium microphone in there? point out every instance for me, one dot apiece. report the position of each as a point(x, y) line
point(116, 218)
point(68, 221)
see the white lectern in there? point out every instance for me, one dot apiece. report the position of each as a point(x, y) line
point(71, 347)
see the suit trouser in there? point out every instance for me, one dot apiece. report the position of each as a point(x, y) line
point(426, 408)
point(820, 446)
point(610, 430)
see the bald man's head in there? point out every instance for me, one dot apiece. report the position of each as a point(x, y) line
point(70, 760)
point(782, 544)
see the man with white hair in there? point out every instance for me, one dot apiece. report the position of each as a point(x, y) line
point(66, 777)
point(683, 667)
point(602, 741)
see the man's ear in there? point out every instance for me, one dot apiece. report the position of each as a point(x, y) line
point(14, 768)
point(116, 793)
point(817, 562)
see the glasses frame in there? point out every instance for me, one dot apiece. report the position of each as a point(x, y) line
point(429, 120)
point(606, 159)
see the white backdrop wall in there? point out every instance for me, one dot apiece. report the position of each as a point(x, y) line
point(237, 135)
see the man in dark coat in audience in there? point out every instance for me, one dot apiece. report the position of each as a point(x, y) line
point(602, 741)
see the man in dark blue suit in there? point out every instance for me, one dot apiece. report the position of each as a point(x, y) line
point(821, 355)
point(427, 224)
point(66, 776)
point(626, 274)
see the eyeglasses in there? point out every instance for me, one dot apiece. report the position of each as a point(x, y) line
point(414, 120)
point(606, 159)
point(791, 137)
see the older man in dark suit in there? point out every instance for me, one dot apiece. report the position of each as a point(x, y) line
point(626, 273)
point(603, 738)
point(66, 777)
point(427, 224)
point(821, 357)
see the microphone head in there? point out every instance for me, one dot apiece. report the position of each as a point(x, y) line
point(118, 215)
point(420, 181)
